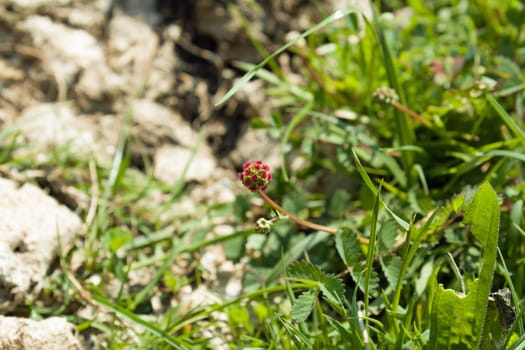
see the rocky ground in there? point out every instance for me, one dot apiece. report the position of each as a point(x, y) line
point(78, 74)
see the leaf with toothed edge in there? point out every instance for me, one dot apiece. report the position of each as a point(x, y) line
point(457, 321)
point(303, 305)
point(330, 286)
point(347, 245)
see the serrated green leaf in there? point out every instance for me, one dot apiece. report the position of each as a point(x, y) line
point(387, 234)
point(294, 253)
point(304, 271)
point(348, 247)
point(391, 266)
point(332, 288)
point(234, 249)
point(373, 283)
point(303, 305)
point(338, 204)
point(349, 250)
point(457, 321)
point(481, 214)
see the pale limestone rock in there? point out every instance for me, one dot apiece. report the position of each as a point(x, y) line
point(54, 333)
point(156, 120)
point(33, 4)
point(46, 126)
point(65, 51)
point(171, 160)
point(32, 226)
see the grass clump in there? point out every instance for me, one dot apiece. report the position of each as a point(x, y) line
point(408, 181)
point(402, 228)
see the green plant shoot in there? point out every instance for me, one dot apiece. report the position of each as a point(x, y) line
point(457, 320)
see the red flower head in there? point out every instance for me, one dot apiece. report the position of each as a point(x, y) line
point(255, 176)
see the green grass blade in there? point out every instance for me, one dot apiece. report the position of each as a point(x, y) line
point(518, 344)
point(179, 248)
point(179, 184)
point(506, 118)
point(251, 73)
point(404, 130)
point(118, 168)
point(364, 175)
point(168, 261)
point(290, 292)
point(371, 252)
point(120, 311)
point(515, 298)
point(287, 88)
point(296, 120)
point(209, 310)
point(368, 182)
point(294, 253)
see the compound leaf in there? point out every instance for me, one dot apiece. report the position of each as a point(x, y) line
point(303, 305)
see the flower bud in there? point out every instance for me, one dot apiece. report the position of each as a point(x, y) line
point(263, 225)
point(255, 176)
point(386, 95)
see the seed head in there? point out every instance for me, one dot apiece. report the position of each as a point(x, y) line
point(263, 225)
point(255, 175)
point(386, 95)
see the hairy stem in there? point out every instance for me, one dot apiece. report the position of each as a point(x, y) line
point(413, 114)
point(298, 220)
